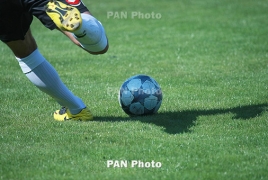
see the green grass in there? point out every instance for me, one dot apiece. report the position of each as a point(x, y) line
point(211, 60)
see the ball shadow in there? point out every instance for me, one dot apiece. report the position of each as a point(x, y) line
point(182, 121)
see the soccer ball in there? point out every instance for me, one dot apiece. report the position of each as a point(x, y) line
point(140, 95)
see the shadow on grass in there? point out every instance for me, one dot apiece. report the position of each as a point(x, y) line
point(182, 121)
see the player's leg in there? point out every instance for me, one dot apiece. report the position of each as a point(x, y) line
point(23, 48)
point(42, 74)
point(83, 29)
point(72, 37)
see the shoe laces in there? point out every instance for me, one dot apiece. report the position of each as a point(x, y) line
point(62, 110)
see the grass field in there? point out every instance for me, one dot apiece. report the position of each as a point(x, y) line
point(211, 60)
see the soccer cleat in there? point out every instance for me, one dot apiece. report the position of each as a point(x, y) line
point(64, 114)
point(66, 18)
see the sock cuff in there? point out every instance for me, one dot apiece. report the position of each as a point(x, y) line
point(30, 62)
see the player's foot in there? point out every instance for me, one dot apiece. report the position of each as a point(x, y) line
point(65, 17)
point(64, 114)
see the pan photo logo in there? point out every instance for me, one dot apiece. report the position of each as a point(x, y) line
point(132, 164)
point(133, 15)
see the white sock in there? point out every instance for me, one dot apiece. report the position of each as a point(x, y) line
point(91, 34)
point(43, 75)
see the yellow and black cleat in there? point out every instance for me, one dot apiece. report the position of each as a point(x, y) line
point(66, 18)
point(64, 114)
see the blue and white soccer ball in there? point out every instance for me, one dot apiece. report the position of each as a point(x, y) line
point(140, 95)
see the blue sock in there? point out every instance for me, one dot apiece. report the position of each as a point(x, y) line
point(91, 35)
point(43, 75)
